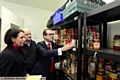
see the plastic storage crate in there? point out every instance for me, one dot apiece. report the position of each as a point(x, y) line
point(58, 16)
point(77, 6)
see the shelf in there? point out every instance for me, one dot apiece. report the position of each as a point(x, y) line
point(74, 49)
point(109, 54)
point(74, 76)
point(70, 76)
point(70, 22)
point(106, 13)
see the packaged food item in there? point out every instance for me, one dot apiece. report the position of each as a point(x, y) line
point(117, 67)
point(90, 58)
point(93, 67)
point(68, 69)
point(93, 37)
point(90, 42)
point(112, 75)
point(116, 42)
point(99, 77)
point(72, 67)
point(101, 66)
point(100, 69)
point(96, 44)
point(110, 70)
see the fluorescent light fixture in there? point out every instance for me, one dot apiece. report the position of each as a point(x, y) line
point(108, 1)
point(113, 22)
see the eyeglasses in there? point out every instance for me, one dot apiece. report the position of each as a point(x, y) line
point(28, 34)
point(50, 34)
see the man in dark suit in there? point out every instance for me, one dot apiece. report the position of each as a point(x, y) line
point(30, 51)
point(47, 51)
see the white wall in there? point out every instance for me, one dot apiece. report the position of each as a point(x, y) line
point(35, 19)
point(7, 18)
point(112, 29)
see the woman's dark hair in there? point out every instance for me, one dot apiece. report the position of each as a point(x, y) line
point(12, 32)
point(44, 32)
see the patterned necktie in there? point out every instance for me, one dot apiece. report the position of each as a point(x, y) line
point(52, 60)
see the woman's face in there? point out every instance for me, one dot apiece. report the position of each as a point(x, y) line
point(19, 41)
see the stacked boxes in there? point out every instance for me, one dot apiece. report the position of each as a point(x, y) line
point(78, 6)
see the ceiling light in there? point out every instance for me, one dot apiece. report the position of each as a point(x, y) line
point(108, 1)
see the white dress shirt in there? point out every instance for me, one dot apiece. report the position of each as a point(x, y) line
point(59, 49)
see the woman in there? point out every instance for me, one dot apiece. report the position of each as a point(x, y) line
point(12, 58)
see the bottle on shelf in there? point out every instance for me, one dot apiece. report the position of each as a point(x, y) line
point(68, 65)
point(68, 69)
point(72, 67)
point(76, 37)
point(75, 67)
point(100, 69)
point(116, 42)
point(92, 69)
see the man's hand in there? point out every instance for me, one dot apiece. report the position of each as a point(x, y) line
point(67, 47)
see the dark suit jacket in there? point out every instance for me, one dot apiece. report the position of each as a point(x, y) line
point(30, 56)
point(44, 58)
point(11, 62)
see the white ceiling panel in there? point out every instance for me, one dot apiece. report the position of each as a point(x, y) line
point(51, 5)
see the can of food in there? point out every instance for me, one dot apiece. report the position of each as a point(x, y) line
point(99, 77)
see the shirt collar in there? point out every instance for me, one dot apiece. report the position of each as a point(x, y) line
point(28, 43)
point(47, 43)
point(15, 47)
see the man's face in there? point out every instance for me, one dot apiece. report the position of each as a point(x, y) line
point(27, 35)
point(49, 36)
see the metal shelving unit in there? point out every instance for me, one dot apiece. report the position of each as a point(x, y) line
point(71, 23)
point(100, 16)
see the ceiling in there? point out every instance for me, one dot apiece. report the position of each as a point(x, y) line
point(51, 5)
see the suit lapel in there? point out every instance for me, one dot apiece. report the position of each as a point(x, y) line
point(45, 45)
point(53, 46)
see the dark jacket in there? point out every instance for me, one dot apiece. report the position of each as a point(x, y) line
point(30, 56)
point(44, 58)
point(11, 62)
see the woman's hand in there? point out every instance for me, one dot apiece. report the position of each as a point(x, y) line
point(27, 75)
